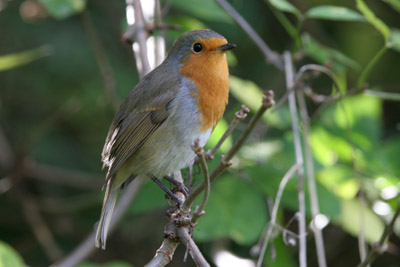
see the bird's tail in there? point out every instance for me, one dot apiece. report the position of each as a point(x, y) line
point(110, 199)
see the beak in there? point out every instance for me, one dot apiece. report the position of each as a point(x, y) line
point(226, 47)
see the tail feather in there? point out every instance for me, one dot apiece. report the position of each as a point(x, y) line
point(110, 199)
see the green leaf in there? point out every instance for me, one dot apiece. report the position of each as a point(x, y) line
point(373, 20)
point(351, 218)
point(61, 9)
point(362, 113)
point(334, 13)
point(340, 180)
point(284, 6)
point(219, 131)
point(22, 58)
point(394, 3)
point(208, 10)
point(234, 210)
point(9, 256)
point(327, 146)
point(394, 40)
point(323, 55)
point(248, 93)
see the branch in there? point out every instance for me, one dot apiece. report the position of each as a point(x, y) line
point(139, 35)
point(288, 175)
point(7, 156)
point(102, 60)
point(239, 116)
point(270, 56)
point(380, 247)
point(267, 103)
point(312, 187)
point(167, 249)
point(53, 174)
point(86, 247)
point(287, 58)
point(39, 227)
point(318, 68)
point(194, 251)
point(199, 211)
point(383, 95)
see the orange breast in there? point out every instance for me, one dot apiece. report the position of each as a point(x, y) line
point(209, 72)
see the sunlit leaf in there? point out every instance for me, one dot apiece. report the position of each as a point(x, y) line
point(326, 55)
point(340, 179)
point(9, 256)
point(208, 10)
point(248, 93)
point(394, 40)
point(22, 58)
point(260, 151)
point(219, 131)
point(351, 219)
point(284, 6)
point(362, 114)
point(333, 13)
point(61, 9)
point(235, 210)
point(328, 147)
point(373, 20)
point(394, 3)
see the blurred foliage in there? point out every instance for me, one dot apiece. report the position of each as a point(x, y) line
point(55, 109)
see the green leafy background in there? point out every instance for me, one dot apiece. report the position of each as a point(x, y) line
point(55, 111)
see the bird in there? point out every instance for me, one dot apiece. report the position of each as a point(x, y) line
point(174, 105)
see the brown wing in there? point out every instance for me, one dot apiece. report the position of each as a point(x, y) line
point(131, 130)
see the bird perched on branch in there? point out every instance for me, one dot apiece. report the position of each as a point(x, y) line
point(177, 103)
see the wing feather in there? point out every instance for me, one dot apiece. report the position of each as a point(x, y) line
point(132, 131)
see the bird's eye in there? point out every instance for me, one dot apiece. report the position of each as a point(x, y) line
point(197, 47)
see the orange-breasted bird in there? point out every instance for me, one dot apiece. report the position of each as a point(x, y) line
point(177, 103)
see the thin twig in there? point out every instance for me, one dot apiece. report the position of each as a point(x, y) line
point(7, 156)
point(58, 175)
point(289, 73)
point(86, 247)
point(383, 95)
point(380, 247)
point(370, 66)
point(288, 175)
point(103, 62)
point(194, 251)
point(239, 116)
point(167, 249)
point(199, 211)
point(312, 187)
point(318, 68)
point(270, 56)
point(39, 227)
point(267, 103)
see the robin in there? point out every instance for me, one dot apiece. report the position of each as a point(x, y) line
point(177, 103)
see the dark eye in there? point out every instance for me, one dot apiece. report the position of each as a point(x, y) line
point(197, 47)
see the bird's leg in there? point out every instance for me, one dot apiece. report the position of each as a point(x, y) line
point(178, 185)
point(166, 190)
